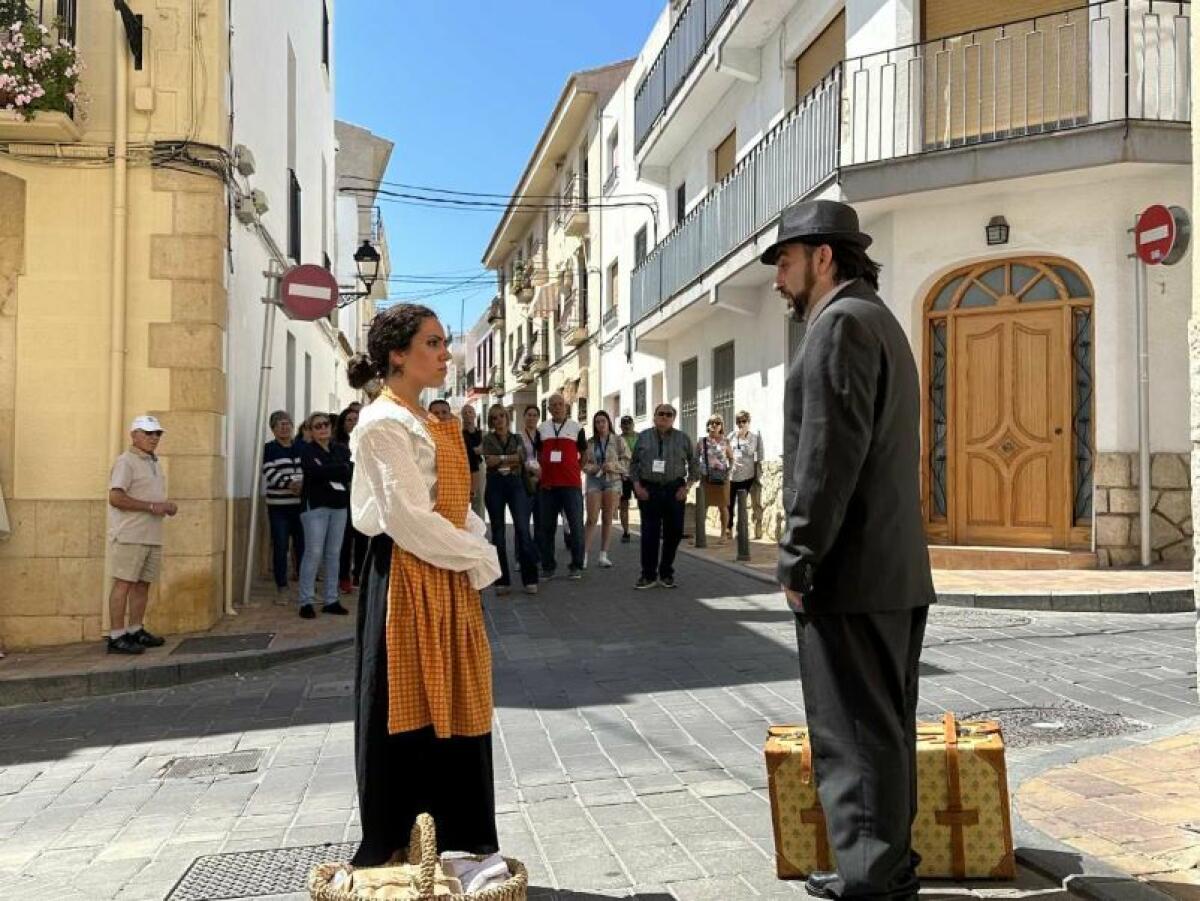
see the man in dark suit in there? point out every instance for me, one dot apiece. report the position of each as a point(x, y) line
point(853, 560)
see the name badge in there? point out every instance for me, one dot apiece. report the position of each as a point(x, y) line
point(504, 470)
point(555, 456)
point(659, 466)
point(337, 486)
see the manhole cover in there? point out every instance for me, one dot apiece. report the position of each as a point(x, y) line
point(320, 690)
point(213, 765)
point(966, 618)
point(225, 644)
point(1027, 726)
point(252, 874)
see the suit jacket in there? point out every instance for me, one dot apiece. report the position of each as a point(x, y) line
point(854, 540)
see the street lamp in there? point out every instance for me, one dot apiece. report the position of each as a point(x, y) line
point(366, 261)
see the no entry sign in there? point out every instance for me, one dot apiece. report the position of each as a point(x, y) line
point(308, 292)
point(1162, 235)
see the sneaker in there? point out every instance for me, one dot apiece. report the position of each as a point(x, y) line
point(574, 574)
point(345, 586)
point(667, 581)
point(503, 590)
point(604, 562)
point(124, 644)
point(585, 561)
point(531, 589)
point(625, 538)
point(643, 583)
point(307, 612)
point(146, 639)
point(335, 608)
point(282, 595)
point(547, 575)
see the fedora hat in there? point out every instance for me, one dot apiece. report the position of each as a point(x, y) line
point(816, 222)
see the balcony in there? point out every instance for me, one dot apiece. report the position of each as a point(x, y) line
point(685, 45)
point(891, 123)
point(610, 319)
point(518, 362)
point(571, 326)
point(496, 311)
point(496, 382)
point(575, 208)
point(797, 156)
point(1112, 61)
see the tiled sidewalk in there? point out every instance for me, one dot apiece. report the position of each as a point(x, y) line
point(85, 669)
point(1100, 590)
point(1136, 809)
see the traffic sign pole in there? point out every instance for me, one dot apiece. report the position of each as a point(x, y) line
point(1143, 406)
point(270, 302)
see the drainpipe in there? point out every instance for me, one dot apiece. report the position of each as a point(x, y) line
point(118, 296)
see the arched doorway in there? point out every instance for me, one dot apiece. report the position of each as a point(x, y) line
point(1007, 410)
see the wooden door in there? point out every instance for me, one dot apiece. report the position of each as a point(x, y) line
point(1012, 428)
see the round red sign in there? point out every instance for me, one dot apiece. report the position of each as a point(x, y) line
point(1154, 236)
point(308, 292)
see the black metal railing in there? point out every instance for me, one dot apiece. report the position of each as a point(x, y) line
point(689, 38)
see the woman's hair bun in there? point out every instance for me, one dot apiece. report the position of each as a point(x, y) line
point(360, 370)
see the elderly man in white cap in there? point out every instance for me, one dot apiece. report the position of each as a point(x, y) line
point(137, 503)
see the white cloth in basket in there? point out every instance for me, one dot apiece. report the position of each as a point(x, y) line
point(475, 874)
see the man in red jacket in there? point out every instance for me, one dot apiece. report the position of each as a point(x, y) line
point(560, 490)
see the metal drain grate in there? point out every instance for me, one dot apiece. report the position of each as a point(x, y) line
point(976, 619)
point(319, 690)
point(253, 874)
point(225, 644)
point(1028, 726)
point(213, 765)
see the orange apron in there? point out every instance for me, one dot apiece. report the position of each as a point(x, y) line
point(439, 662)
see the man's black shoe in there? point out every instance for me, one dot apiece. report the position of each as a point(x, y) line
point(335, 608)
point(307, 612)
point(818, 884)
point(124, 645)
point(146, 639)
point(625, 538)
point(666, 581)
point(644, 583)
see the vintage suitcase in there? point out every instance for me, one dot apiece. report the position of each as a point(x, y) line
point(963, 827)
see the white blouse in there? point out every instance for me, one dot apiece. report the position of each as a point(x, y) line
point(394, 489)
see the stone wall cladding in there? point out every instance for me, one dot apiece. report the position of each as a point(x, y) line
point(1117, 513)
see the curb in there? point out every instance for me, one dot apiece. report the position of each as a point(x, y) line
point(1080, 873)
point(73, 686)
point(1168, 600)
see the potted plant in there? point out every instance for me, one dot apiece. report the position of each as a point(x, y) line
point(522, 284)
point(38, 73)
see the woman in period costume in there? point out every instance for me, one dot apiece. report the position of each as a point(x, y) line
point(423, 719)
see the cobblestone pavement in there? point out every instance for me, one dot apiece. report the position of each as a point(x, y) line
point(628, 744)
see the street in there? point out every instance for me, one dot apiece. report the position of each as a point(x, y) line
point(628, 743)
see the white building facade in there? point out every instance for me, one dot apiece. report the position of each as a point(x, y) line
point(1053, 123)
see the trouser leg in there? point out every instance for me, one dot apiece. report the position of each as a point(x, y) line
point(673, 512)
point(651, 516)
point(571, 500)
point(494, 496)
point(855, 674)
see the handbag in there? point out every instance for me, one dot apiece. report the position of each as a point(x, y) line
point(717, 477)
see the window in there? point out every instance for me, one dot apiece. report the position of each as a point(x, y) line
point(639, 399)
point(639, 246)
point(289, 400)
point(581, 286)
point(725, 156)
point(325, 34)
point(612, 285)
point(687, 397)
point(545, 413)
point(308, 384)
point(581, 412)
point(722, 382)
point(819, 57)
point(295, 245)
point(328, 264)
point(613, 146)
point(680, 202)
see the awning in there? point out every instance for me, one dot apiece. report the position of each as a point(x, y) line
point(545, 301)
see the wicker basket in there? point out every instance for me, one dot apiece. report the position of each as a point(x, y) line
point(422, 852)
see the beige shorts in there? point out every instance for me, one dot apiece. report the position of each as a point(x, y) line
point(135, 562)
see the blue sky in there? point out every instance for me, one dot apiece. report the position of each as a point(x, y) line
point(464, 90)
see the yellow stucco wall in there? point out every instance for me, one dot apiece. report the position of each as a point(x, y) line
point(56, 257)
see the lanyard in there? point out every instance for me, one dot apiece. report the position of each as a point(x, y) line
point(603, 448)
point(557, 428)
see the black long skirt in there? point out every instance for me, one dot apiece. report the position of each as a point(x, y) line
point(402, 775)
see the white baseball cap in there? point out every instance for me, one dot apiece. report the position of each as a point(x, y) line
point(145, 424)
